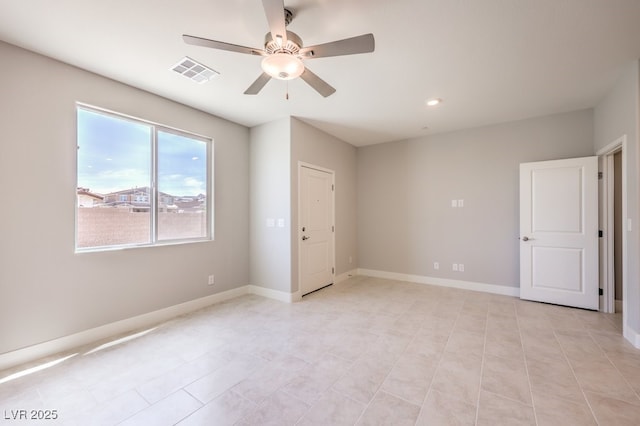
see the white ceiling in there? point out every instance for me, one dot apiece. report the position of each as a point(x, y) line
point(490, 60)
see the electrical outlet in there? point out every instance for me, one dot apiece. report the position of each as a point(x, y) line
point(454, 267)
point(461, 267)
point(436, 265)
point(212, 280)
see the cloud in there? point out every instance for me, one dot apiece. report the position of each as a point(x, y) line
point(191, 182)
point(124, 174)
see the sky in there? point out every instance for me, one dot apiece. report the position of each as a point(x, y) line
point(115, 154)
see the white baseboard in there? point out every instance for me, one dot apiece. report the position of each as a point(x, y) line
point(66, 343)
point(631, 335)
point(282, 296)
point(443, 282)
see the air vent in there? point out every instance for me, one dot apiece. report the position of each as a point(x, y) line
point(194, 71)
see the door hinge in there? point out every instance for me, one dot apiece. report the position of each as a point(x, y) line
point(600, 292)
point(333, 270)
point(333, 229)
point(600, 175)
point(332, 187)
point(600, 233)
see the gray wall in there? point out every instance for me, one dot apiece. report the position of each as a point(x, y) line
point(316, 147)
point(270, 199)
point(405, 188)
point(46, 290)
point(276, 149)
point(616, 115)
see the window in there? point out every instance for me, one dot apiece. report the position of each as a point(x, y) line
point(151, 184)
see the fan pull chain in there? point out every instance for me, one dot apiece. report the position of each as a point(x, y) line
point(287, 94)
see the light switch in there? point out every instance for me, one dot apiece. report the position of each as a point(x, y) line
point(280, 223)
point(271, 223)
point(454, 203)
point(460, 203)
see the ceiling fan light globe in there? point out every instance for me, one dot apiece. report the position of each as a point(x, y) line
point(283, 66)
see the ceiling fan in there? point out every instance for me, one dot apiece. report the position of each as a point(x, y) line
point(284, 52)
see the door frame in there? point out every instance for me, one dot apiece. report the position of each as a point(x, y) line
point(607, 223)
point(298, 233)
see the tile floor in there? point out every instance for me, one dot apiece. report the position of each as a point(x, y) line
point(367, 352)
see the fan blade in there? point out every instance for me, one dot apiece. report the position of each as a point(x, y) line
point(258, 84)
point(205, 42)
point(317, 83)
point(274, 9)
point(349, 46)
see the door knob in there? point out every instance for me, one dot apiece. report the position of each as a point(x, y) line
point(526, 238)
point(304, 238)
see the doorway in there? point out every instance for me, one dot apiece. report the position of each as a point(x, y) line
point(316, 229)
point(617, 230)
point(613, 244)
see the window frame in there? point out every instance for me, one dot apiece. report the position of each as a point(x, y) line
point(153, 184)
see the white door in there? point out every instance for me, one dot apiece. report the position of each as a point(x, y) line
point(559, 232)
point(316, 229)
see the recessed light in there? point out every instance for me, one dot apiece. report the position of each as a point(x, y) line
point(434, 101)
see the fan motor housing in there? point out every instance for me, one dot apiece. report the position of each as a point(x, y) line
point(293, 45)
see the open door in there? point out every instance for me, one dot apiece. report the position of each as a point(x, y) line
point(559, 232)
